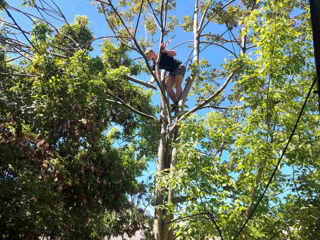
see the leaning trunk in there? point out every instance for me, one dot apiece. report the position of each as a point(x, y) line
point(158, 218)
point(167, 154)
point(160, 227)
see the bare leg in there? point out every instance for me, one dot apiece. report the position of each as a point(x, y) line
point(178, 80)
point(170, 84)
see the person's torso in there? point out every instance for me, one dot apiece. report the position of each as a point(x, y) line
point(168, 63)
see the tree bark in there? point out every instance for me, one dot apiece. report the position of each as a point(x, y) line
point(167, 154)
point(159, 227)
point(196, 48)
point(158, 217)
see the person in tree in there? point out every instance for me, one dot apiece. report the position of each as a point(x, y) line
point(175, 68)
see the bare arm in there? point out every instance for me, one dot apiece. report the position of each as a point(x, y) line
point(171, 53)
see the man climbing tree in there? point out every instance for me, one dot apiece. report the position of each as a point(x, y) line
point(175, 68)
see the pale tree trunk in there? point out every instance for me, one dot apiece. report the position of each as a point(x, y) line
point(161, 165)
point(196, 50)
point(158, 218)
point(196, 33)
point(167, 154)
point(169, 217)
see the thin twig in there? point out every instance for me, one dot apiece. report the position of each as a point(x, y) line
point(219, 45)
point(136, 28)
point(204, 25)
point(154, 15)
point(12, 18)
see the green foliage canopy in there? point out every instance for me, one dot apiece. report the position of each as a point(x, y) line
point(60, 172)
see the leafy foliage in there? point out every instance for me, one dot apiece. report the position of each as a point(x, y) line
point(60, 173)
point(225, 159)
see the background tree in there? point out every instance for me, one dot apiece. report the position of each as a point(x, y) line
point(61, 174)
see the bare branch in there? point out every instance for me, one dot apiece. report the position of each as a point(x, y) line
point(18, 51)
point(114, 30)
point(209, 99)
point(136, 28)
point(165, 16)
point(17, 75)
point(131, 108)
point(208, 21)
point(46, 12)
point(13, 26)
point(234, 38)
point(51, 8)
point(161, 16)
point(66, 21)
point(219, 45)
point(202, 19)
point(226, 108)
point(141, 82)
point(118, 15)
point(13, 59)
point(154, 15)
point(12, 18)
point(178, 45)
point(139, 49)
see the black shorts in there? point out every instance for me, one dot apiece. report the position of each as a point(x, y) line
point(180, 70)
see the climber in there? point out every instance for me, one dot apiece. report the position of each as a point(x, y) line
point(175, 68)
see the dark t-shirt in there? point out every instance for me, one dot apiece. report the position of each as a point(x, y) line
point(168, 63)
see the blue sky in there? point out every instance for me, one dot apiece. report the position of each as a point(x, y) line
point(71, 8)
point(215, 55)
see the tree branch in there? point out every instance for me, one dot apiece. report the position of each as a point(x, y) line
point(154, 15)
point(136, 28)
point(202, 19)
point(141, 52)
point(187, 217)
point(165, 16)
point(24, 34)
point(209, 99)
point(226, 108)
point(219, 45)
point(204, 25)
point(216, 225)
point(141, 82)
point(131, 108)
point(17, 75)
point(114, 30)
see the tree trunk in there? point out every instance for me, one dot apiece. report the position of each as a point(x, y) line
point(159, 227)
point(167, 154)
point(158, 218)
point(196, 48)
point(169, 217)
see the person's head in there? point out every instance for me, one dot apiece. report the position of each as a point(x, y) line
point(150, 54)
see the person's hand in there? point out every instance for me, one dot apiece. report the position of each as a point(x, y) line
point(151, 81)
point(163, 45)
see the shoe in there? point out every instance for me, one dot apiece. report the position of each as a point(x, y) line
point(174, 105)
